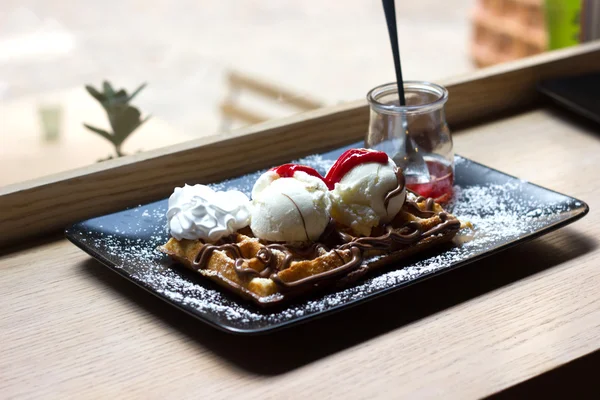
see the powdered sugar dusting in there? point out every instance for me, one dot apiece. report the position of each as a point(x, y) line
point(500, 213)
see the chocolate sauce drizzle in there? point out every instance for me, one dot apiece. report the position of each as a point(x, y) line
point(416, 210)
point(354, 263)
point(392, 240)
point(300, 213)
point(277, 257)
point(206, 252)
point(399, 188)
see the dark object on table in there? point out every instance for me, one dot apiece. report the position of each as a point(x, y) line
point(580, 94)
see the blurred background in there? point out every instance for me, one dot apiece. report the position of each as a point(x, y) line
point(212, 67)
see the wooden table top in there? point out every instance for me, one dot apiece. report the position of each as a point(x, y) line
point(72, 328)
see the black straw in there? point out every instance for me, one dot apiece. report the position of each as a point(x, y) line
point(390, 16)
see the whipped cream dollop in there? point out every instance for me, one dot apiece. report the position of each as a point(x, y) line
point(290, 209)
point(199, 212)
point(369, 194)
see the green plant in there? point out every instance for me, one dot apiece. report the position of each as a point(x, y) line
point(124, 118)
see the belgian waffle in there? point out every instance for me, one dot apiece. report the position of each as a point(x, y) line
point(269, 273)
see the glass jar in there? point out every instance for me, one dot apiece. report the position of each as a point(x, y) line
point(415, 136)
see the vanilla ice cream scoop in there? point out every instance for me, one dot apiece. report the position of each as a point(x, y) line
point(291, 207)
point(368, 190)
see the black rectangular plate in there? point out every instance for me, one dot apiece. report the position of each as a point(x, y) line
point(504, 210)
